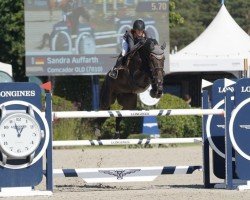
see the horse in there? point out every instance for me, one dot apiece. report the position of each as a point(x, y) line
point(74, 16)
point(144, 68)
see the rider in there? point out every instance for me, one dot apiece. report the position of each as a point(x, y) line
point(129, 43)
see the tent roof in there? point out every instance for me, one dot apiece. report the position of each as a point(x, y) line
point(222, 41)
point(7, 68)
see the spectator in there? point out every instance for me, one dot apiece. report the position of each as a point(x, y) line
point(187, 99)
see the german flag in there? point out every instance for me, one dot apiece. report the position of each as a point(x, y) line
point(39, 61)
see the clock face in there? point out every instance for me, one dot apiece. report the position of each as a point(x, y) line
point(20, 135)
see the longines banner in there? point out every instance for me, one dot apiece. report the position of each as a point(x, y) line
point(81, 37)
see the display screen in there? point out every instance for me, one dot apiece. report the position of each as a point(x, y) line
point(83, 37)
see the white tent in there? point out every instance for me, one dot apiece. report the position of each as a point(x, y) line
point(223, 46)
point(7, 68)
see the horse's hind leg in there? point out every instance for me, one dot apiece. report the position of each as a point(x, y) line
point(128, 101)
point(107, 97)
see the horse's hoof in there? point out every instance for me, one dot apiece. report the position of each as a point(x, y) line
point(153, 93)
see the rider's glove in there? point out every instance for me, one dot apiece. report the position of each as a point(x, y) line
point(142, 41)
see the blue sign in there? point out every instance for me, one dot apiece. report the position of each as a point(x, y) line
point(32, 175)
point(28, 92)
point(239, 128)
point(150, 126)
point(216, 127)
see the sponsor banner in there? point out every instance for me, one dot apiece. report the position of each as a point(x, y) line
point(29, 92)
point(216, 125)
point(239, 128)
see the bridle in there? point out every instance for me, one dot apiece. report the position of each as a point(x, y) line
point(156, 71)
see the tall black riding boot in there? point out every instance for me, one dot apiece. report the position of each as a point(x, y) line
point(119, 63)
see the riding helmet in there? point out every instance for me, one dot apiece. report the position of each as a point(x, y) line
point(139, 25)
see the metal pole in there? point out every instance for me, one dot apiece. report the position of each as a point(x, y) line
point(49, 159)
point(205, 143)
point(228, 144)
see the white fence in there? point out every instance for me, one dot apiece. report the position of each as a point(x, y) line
point(136, 113)
point(112, 142)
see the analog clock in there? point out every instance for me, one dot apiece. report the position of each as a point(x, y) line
point(24, 135)
point(20, 135)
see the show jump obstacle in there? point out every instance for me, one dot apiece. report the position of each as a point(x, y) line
point(26, 136)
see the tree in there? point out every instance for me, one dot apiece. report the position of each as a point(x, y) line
point(185, 32)
point(240, 11)
point(12, 35)
point(208, 10)
point(174, 17)
point(198, 14)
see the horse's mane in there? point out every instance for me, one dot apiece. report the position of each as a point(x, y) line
point(148, 46)
point(153, 40)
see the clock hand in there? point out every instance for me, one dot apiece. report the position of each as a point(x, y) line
point(21, 130)
point(18, 134)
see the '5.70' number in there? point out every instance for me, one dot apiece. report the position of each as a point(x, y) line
point(159, 6)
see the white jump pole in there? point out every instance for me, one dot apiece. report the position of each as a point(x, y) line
point(112, 142)
point(124, 174)
point(136, 113)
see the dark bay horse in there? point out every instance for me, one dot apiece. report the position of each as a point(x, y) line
point(144, 67)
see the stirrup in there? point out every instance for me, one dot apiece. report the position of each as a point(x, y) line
point(113, 74)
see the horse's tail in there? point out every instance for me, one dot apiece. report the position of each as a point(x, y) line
point(45, 40)
point(102, 106)
point(102, 94)
point(105, 94)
